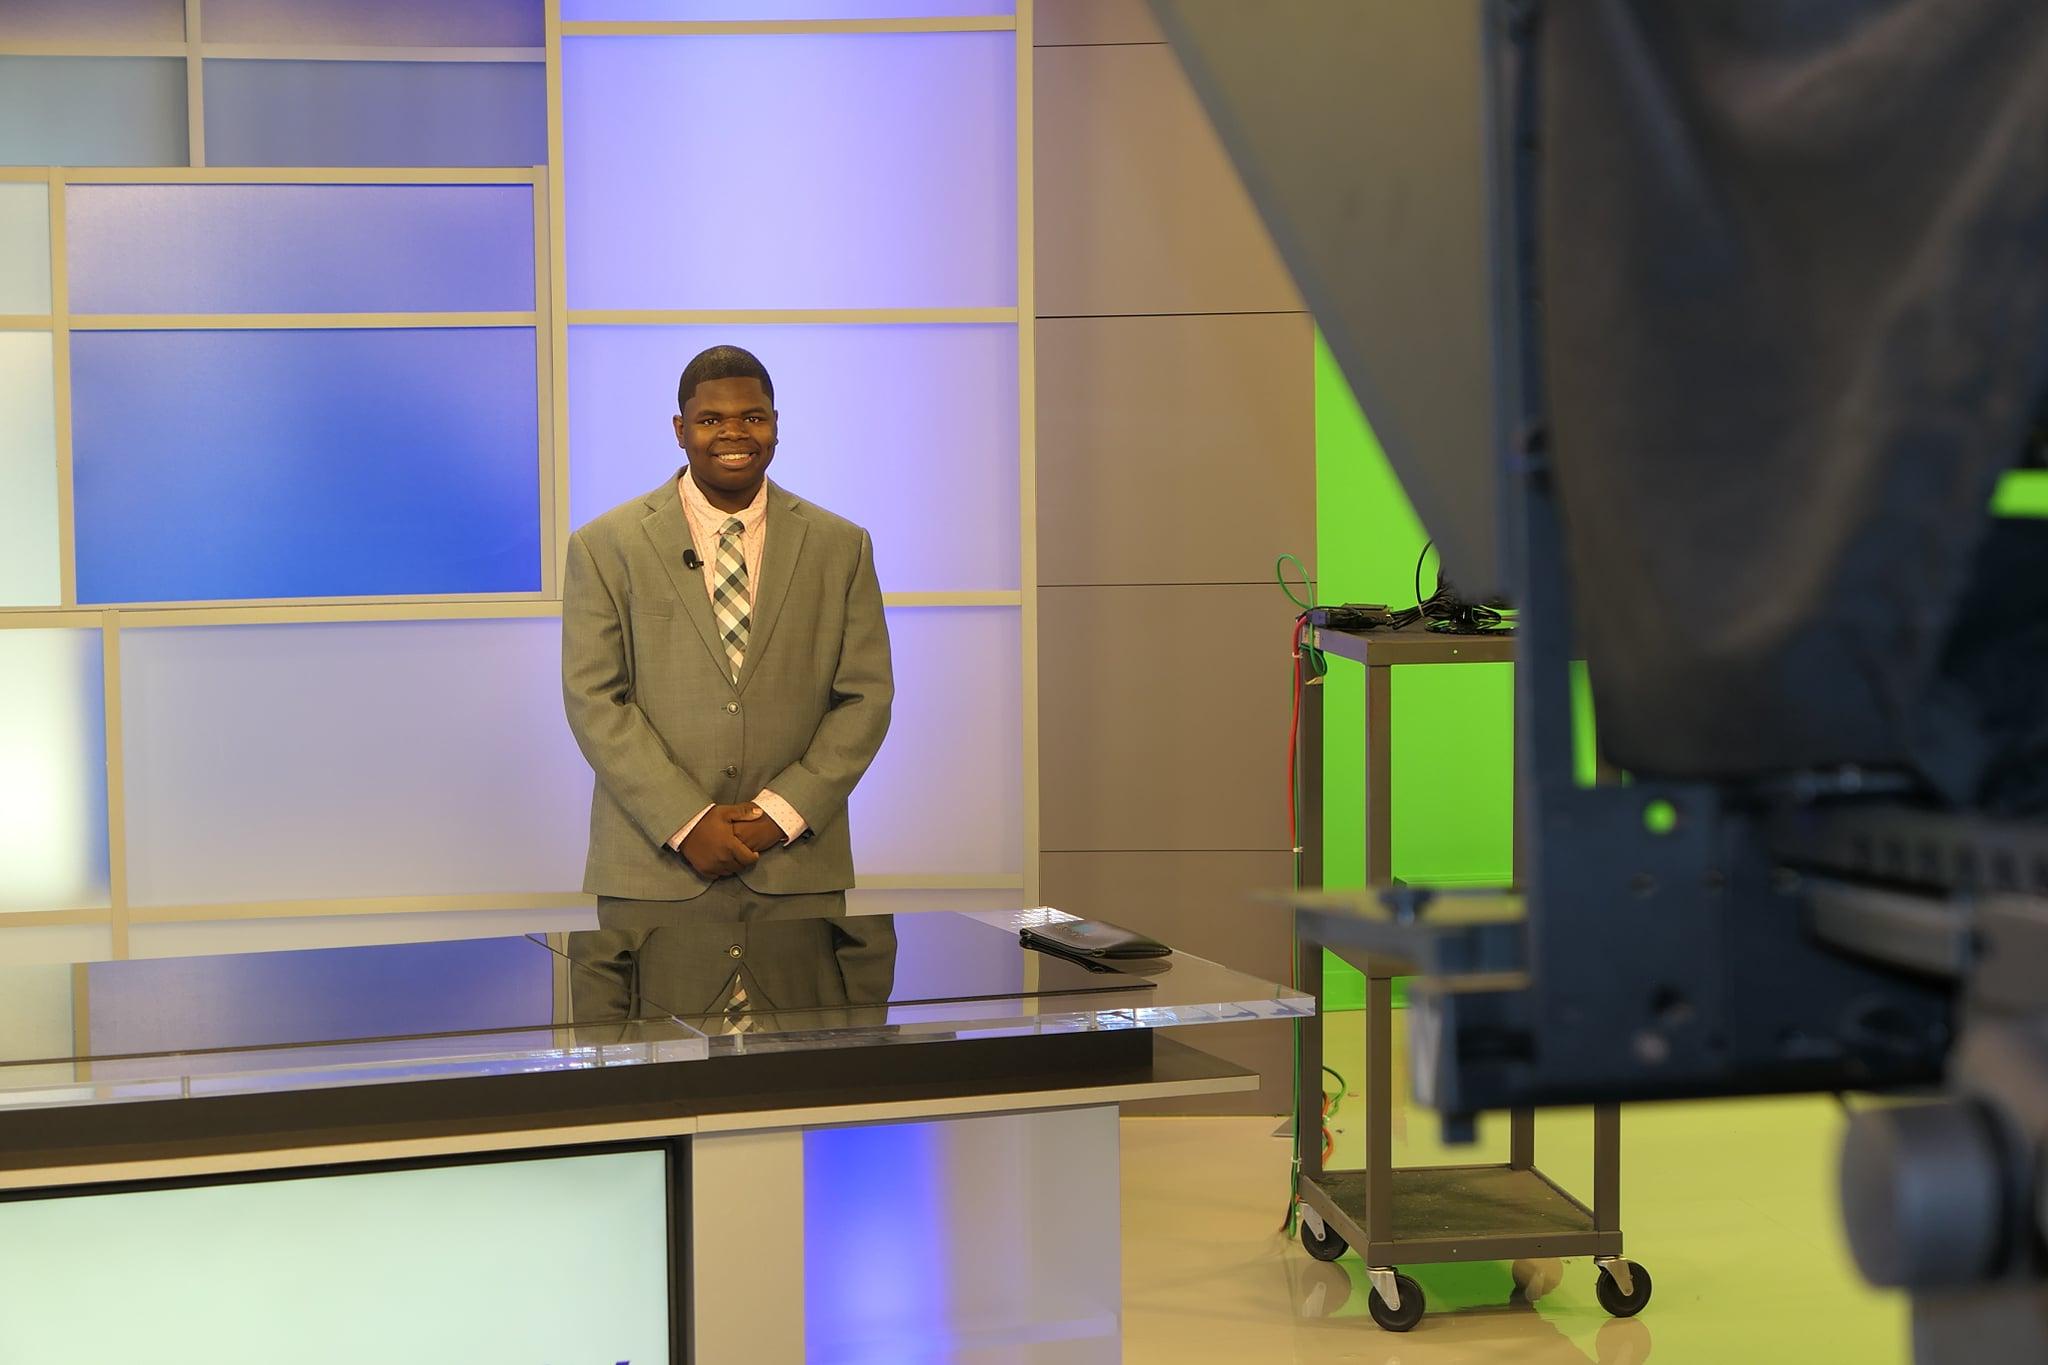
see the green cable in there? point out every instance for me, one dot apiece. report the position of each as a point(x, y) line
point(1280, 572)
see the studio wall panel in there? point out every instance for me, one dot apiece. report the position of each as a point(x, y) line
point(1069, 23)
point(92, 111)
point(1203, 903)
point(1165, 717)
point(24, 248)
point(1123, 224)
point(403, 758)
point(1174, 449)
point(574, 10)
point(95, 21)
point(305, 464)
point(53, 771)
point(877, 171)
point(376, 23)
point(910, 431)
point(313, 113)
point(30, 574)
point(945, 795)
point(299, 248)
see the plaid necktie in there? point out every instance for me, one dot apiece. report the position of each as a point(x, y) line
point(729, 596)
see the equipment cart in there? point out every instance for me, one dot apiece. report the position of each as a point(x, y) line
point(1409, 1215)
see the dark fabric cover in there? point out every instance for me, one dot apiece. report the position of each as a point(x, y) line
point(1795, 278)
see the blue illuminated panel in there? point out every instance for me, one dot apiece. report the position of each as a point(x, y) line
point(290, 113)
point(911, 431)
point(869, 171)
point(898, 1262)
point(300, 248)
point(878, 1250)
point(213, 465)
point(92, 111)
point(363, 23)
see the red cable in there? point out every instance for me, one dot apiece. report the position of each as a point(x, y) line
point(1294, 740)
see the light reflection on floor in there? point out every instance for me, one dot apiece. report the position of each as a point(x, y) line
point(1730, 1206)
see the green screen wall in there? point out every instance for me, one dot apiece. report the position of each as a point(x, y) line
point(1453, 725)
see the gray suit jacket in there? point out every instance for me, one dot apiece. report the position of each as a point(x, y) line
point(668, 732)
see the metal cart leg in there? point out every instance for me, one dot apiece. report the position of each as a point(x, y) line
point(1379, 1111)
point(1522, 1139)
point(1607, 1171)
point(1308, 1103)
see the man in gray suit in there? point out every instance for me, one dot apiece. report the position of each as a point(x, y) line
point(725, 668)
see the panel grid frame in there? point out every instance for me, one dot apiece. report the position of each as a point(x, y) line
point(550, 319)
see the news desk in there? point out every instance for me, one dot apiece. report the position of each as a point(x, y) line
point(897, 1143)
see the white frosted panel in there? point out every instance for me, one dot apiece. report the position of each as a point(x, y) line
point(35, 1011)
point(938, 490)
point(451, 1263)
point(24, 249)
point(92, 111)
point(945, 795)
point(573, 10)
point(99, 21)
point(66, 943)
point(878, 171)
point(377, 23)
point(29, 572)
point(293, 762)
point(53, 773)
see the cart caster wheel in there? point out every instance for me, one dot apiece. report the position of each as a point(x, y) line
point(1613, 1300)
point(1407, 1315)
point(1327, 1247)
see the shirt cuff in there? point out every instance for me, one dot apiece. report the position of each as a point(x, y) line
point(684, 833)
point(783, 814)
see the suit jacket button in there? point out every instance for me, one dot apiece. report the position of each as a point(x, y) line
point(731, 771)
point(732, 706)
point(733, 951)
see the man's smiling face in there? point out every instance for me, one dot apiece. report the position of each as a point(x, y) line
point(728, 430)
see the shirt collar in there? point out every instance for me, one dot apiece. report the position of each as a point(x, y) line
point(700, 509)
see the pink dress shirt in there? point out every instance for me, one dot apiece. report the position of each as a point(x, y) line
point(705, 523)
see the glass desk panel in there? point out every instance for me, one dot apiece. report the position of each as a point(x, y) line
point(864, 980)
point(166, 1028)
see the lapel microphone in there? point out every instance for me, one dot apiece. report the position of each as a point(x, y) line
point(690, 560)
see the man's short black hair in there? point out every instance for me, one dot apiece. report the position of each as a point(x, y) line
point(721, 362)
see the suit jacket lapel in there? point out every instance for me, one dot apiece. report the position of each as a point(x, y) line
point(668, 526)
point(786, 527)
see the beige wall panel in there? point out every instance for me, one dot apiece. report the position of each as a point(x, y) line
point(1064, 23)
point(1165, 718)
point(1200, 902)
point(1175, 449)
point(1138, 209)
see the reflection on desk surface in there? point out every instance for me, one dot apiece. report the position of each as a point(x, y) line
point(827, 980)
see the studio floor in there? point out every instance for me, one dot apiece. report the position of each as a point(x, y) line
point(1729, 1205)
